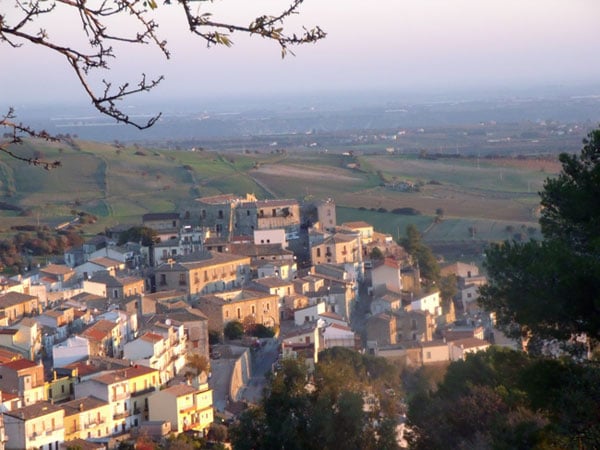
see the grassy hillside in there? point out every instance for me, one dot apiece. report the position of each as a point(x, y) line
point(119, 184)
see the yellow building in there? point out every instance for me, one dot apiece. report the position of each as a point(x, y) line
point(243, 305)
point(337, 249)
point(186, 407)
point(39, 426)
point(126, 390)
point(87, 418)
point(203, 273)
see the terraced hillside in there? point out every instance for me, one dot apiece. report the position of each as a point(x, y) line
point(486, 199)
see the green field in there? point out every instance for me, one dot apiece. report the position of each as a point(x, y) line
point(483, 199)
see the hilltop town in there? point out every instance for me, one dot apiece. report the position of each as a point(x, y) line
point(119, 339)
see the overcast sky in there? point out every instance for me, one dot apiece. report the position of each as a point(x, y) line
point(371, 45)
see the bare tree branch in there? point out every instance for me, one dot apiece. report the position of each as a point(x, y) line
point(96, 51)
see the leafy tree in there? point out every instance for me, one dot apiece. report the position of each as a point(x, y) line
point(326, 414)
point(376, 253)
point(448, 287)
point(101, 27)
point(428, 265)
point(234, 330)
point(508, 400)
point(198, 362)
point(552, 288)
point(147, 236)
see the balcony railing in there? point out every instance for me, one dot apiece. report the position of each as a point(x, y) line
point(121, 415)
point(143, 391)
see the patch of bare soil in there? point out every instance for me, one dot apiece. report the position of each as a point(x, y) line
point(304, 173)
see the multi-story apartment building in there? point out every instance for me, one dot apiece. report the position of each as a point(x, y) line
point(217, 213)
point(166, 353)
point(186, 407)
point(203, 273)
point(87, 418)
point(337, 249)
point(242, 305)
point(15, 305)
point(166, 225)
point(25, 379)
point(37, 426)
point(105, 338)
point(126, 390)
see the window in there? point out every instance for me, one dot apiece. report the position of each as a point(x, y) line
point(253, 310)
point(248, 212)
point(174, 224)
point(182, 281)
point(428, 355)
point(163, 279)
point(220, 214)
point(239, 313)
point(318, 252)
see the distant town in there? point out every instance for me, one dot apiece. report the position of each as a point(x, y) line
point(175, 336)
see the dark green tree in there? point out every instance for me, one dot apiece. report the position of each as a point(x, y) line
point(147, 236)
point(325, 411)
point(552, 288)
point(422, 255)
point(234, 330)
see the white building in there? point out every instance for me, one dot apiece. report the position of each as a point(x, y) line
point(430, 303)
point(74, 349)
point(274, 236)
point(309, 314)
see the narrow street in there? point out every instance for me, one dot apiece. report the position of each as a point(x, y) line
point(262, 361)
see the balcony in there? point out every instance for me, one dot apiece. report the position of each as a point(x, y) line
point(121, 415)
point(143, 391)
point(121, 396)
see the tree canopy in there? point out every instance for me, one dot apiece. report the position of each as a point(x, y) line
point(325, 411)
point(106, 25)
point(551, 288)
point(505, 399)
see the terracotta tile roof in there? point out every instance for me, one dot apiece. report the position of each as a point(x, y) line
point(357, 224)
point(81, 404)
point(151, 337)
point(106, 262)
point(56, 269)
point(180, 390)
point(118, 375)
point(99, 330)
point(14, 298)
point(20, 364)
point(331, 315)
point(32, 411)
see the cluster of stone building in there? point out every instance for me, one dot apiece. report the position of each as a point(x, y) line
point(98, 347)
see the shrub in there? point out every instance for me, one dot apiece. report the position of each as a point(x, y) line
point(234, 330)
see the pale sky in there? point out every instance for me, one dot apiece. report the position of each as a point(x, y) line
point(371, 45)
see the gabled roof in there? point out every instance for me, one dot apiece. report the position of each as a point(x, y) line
point(20, 364)
point(99, 330)
point(56, 269)
point(14, 298)
point(151, 337)
point(81, 404)
point(118, 375)
point(32, 411)
point(106, 262)
point(357, 224)
point(179, 390)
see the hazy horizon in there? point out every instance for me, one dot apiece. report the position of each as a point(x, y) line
point(411, 46)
